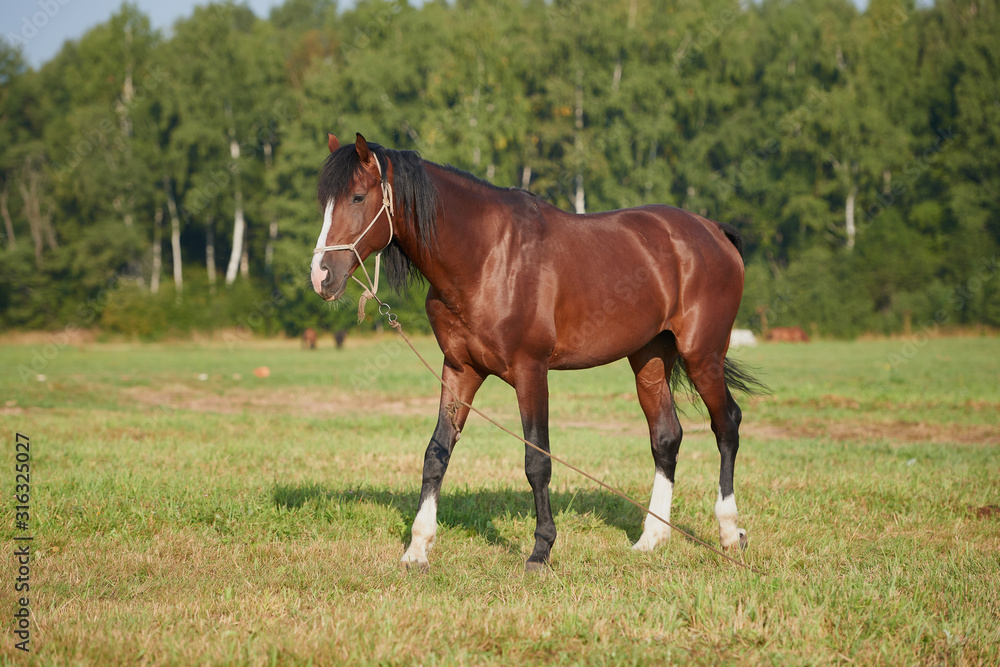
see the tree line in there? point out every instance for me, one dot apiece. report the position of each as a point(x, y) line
point(171, 177)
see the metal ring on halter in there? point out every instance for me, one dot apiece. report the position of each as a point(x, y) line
point(383, 312)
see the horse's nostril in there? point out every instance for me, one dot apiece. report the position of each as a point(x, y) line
point(319, 279)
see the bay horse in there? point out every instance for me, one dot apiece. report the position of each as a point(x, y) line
point(786, 335)
point(309, 339)
point(519, 287)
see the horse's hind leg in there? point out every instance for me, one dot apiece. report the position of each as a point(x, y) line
point(652, 366)
point(708, 376)
point(532, 388)
point(451, 418)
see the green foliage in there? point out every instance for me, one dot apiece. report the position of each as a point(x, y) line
point(774, 116)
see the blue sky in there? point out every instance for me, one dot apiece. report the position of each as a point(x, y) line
point(41, 26)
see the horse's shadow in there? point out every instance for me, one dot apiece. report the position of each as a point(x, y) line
point(473, 510)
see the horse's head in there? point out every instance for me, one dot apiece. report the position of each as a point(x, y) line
point(356, 198)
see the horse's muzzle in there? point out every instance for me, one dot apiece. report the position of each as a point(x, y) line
point(329, 275)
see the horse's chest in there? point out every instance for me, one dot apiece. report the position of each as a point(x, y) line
point(467, 335)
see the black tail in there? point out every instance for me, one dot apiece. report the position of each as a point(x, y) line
point(742, 378)
point(733, 235)
point(737, 375)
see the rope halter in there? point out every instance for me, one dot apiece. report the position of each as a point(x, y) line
point(387, 207)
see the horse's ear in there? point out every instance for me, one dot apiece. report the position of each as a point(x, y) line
point(362, 147)
point(332, 142)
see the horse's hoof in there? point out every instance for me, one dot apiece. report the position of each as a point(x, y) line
point(534, 566)
point(740, 540)
point(649, 542)
point(414, 566)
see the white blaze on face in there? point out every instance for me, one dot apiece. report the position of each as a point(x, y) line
point(318, 274)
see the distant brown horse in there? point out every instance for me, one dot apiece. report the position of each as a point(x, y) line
point(309, 339)
point(786, 335)
point(519, 287)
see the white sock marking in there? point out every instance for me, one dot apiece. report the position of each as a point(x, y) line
point(423, 532)
point(725, 512)
point(654, 531)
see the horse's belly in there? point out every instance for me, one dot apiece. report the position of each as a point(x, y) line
point(602, 336)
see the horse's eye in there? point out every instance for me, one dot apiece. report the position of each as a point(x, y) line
point(358, 199)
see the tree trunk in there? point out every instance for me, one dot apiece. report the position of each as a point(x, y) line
point(50, 230)
point(34, 220)
point(41, 224)
point(849, 216)
point(125, 121)
point(175, 236)
point(762, 311)
point(579, 199)
point(154, 280)
point(474, 119)
point(5, 212)
point(526, 176)
point(272, 237)
point(210, 253)
point(244, 263)
point(128, 91)
point(272, 230)
point(616, 78)
point(239, 223)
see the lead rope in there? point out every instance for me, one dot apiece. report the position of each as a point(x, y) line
point(385, 310)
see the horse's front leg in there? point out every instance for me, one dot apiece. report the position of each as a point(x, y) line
point(451, 418)
point(532, 388)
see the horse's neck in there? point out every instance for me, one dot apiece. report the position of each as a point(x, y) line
point(463, 234)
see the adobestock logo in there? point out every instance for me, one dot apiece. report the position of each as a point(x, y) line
point(31, 25)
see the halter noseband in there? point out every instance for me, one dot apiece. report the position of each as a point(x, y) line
point(387, 207)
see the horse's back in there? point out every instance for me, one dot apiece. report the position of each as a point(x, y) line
point(681, 250)
point(658, 227)
point(696, 234)
point(633, 273)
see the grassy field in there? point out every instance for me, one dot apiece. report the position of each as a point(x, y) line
point(187, 512)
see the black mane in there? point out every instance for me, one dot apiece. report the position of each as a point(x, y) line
point(415, 195)
point(416, 199)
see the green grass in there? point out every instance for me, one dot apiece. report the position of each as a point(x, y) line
point(240, 520)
